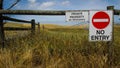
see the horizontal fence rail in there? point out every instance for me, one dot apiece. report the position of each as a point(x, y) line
point(32, 22)
point(13, 19)
point(116, 12)
point(15, 28)
point(43, 12)
point(32, 12)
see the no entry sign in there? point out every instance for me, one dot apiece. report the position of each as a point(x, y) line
point(100, 20)
point(100, 28)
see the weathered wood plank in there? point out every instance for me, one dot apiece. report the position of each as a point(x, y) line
point(32, 12)
point(2, 36)
point(38, 27)
point(116, 11)
point(15, 28)
point(43, 12)
point(33, 26)
point(17, 20)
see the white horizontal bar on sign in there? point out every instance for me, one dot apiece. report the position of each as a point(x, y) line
point(100, 20)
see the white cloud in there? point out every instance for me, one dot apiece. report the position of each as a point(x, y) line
point(33, 4)
point(47, 4)
point(66, 3)
point(32, 1)
point(93, 5)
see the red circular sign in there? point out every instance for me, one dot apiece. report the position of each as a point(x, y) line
point(100, 20)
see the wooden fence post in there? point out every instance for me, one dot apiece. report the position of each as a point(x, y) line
point(33, 26)
point(1, 26)
point(43, 27)
point(110, 47)
point(38, 27)
point(110, 8)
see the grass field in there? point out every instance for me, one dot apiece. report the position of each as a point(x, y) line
point(58, 48)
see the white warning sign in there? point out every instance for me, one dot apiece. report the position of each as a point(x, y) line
point(100, 27)
point(77, 16)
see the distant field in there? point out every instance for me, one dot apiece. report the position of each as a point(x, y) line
point(59, 47)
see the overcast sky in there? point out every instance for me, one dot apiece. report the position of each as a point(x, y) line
point(59, 5)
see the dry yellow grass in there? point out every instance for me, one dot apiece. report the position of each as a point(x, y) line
point(58, 48)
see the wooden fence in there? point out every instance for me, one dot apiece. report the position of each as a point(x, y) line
point(32, 28)
point(31, 12)
point(32, 22)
